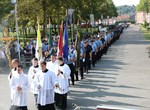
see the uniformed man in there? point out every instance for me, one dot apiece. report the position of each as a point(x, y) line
point(94, 49)
point(81, 62)
point(106, 43)
point(87, 56)
point(71, 62)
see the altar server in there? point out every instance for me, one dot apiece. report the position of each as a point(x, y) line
point(31, 75)
point(19, 86)
point(62, 72)
point(46, 82)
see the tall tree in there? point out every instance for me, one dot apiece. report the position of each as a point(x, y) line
point(144, 5)
point(28, 10)
point(5, 8)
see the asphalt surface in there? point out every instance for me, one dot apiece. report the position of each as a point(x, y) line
point(121, 78)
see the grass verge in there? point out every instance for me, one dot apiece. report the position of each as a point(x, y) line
point(145, 33)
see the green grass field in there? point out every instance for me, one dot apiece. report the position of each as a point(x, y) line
point(145, 33)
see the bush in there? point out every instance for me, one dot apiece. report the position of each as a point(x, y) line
point(145, 24)
point(148, 28)
point(132, 22)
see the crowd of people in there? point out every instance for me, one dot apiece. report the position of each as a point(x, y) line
point(49, 80)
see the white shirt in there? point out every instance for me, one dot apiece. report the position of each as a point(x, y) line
point(47, 82)
point(19, 98)
point(51, 66)
point(63, 79)
point(31, 74)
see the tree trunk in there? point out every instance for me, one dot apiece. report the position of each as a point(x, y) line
point(34, 27)
point(23, 36)
point(58, 21)
point(25, 30)
point(87, 28)
point(44, 16)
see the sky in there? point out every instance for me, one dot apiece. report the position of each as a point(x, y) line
point(125, 2)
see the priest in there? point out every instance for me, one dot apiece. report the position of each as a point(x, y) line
point(19, 86)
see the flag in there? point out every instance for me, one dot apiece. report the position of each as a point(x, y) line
point(65, 43)
point(38, 53)
point(60, 41)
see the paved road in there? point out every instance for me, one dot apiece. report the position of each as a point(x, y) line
point(121, 78)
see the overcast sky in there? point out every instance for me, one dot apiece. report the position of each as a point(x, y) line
point(125, 2)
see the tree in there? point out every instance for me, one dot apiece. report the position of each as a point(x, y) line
point(5, 7)
point(144, 5)
point(29, 10)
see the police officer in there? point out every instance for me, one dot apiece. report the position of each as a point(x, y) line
point(81, 61)
point(94, 48)
point(87, 55)
point(71, 62)
point(106, 43)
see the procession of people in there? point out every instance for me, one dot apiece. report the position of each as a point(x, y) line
point(49, 79)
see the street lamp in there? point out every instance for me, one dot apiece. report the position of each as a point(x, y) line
point(14, 2)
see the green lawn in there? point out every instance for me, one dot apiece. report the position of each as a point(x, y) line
point(146, 33)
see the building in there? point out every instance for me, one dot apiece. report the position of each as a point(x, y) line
point(123, 17)
point(141, 17)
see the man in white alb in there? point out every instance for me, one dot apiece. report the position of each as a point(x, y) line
point(52, 64)
point(46, 82)
point(15, 63)
point(19, 85)
point(62, 71)
point(31, 75)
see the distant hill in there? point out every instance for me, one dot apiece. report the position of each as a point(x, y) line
point(125, 9)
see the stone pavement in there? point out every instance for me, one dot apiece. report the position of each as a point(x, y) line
point(121, 78)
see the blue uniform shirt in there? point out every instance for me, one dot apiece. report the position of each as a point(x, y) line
point(106, 39)
point(44, 47)
point(94, 47)
point(71, 56)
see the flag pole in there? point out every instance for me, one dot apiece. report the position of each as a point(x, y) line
point(77, 45)
point(38, 53)
point(50, 34)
